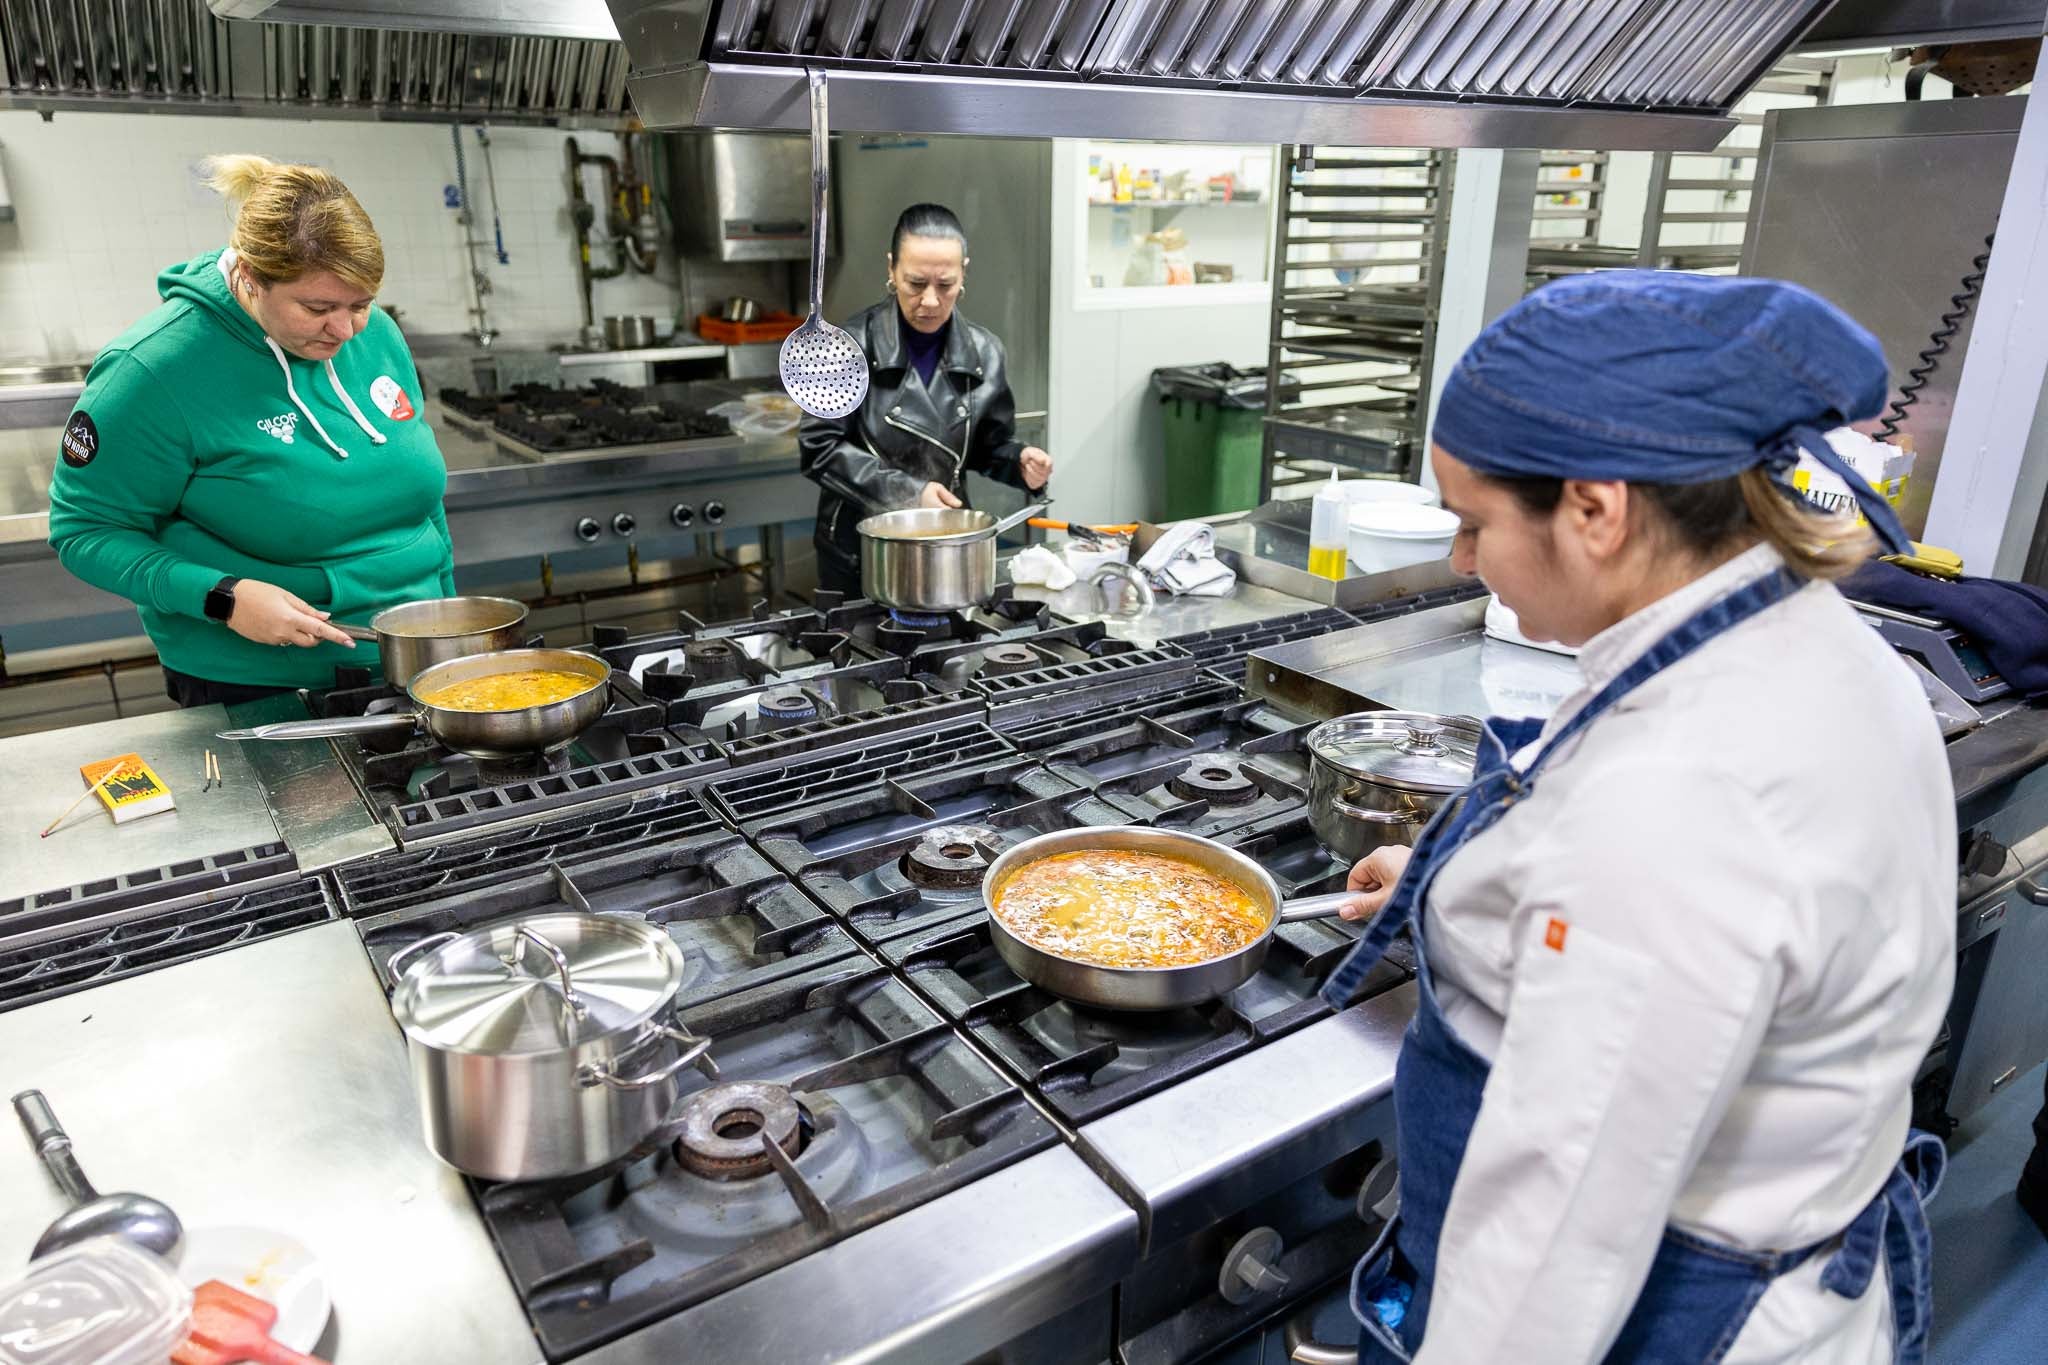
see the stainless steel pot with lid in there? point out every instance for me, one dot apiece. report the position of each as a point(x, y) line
point(1377, 777)
point(540, 1046)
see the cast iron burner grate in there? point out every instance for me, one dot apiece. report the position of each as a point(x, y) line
point(118, 943)
point(737, 918)
point(1226, 648)
point(892, 1109)
point(847, 773)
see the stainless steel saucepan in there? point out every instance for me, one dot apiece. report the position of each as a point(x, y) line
point(545, 1045)
point(932, 558)
point(480, 734)
point(1146, 988)
point(413, 635)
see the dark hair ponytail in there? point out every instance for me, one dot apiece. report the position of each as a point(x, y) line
point(927, 220)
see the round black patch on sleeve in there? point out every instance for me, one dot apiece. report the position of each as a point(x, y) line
point(81, 441)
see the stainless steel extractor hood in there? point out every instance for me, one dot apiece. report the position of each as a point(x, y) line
point(1615, 74)
point(528, 18)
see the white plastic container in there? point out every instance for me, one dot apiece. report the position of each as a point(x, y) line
point(101, 1302)
point(1360, 491)
point(1394, 535)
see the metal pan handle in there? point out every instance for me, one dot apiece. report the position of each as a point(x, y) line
point(355, 632)
point(391, 964)
point(1315, 907)
point(526, 934)
point(693, 1054)
point(338, 728)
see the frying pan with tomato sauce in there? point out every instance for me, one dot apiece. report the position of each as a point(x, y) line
point(1226, 912)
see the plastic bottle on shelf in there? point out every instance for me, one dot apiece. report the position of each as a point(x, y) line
point(1329, 531)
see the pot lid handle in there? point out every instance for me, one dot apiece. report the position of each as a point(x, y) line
point(572, 1003)
point(1424, 737)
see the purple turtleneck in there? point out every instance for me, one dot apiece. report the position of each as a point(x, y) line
point(925, 348)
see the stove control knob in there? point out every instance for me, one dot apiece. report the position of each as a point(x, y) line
point(714, 512)
point(587, 530)
point(623, 524)
point(1379, 1195)
point(1251, 1268)
point(682, 514)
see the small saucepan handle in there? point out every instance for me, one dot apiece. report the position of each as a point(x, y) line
point(355, 632)
point(1315, 907)
point(694, 1053)
point(338, 728)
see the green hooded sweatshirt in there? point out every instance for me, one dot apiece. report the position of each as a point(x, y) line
point(200, 449)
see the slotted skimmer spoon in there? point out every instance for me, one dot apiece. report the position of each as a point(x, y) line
point(822, 366)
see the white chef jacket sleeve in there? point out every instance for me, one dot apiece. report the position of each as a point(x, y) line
point(1647, 958)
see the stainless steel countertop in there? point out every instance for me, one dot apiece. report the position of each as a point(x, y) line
point(948, 1280)
point(41, 778)
point(1168, 616)
point(268, 1087)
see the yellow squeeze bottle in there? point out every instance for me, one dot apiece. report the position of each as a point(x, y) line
point(1329, 530)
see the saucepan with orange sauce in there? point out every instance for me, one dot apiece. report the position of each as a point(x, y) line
point(509, 704)
point(1129, 918)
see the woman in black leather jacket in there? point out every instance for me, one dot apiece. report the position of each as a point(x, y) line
point(938, 402)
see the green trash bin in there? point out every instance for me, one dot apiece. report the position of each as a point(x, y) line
point(1213, 419)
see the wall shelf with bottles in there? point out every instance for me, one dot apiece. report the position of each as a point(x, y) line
point(1169, 223)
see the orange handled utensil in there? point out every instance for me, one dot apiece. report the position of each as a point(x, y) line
point(228, 1325)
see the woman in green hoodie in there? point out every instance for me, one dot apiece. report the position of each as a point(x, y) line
point(247, 464)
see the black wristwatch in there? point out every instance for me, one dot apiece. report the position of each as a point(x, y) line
point(220, 599)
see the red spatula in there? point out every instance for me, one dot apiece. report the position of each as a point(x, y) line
point(228, 1326)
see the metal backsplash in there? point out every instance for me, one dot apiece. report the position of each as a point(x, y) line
point(175, 56)
point(1605, 73)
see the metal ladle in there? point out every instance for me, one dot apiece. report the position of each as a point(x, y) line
point(135, 1218)
point(823, 368)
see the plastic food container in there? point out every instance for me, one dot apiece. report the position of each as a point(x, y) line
point(102, 1302)
point(1393, 535)
point(1357, 491)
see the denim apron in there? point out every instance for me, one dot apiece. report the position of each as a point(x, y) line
point(1698, 1293)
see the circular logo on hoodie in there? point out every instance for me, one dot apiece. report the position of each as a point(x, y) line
point(390, 399)
point(81, 441)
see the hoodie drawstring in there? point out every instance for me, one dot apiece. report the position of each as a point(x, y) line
point(300, 403)
point(376, 436)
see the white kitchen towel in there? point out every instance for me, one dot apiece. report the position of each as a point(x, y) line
point(1036, 566)
point(1184, 562)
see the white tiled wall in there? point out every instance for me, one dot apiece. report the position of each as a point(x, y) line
point(103, 201)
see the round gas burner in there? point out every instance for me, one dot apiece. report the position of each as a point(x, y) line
point(1219, 779)
point(783, 706)
point(726, 1129)
point(712, 661)
point(949, 858)
point(917, 620)
point(999, 661)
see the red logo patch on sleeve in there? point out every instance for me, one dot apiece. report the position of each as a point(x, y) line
point(1553, 934)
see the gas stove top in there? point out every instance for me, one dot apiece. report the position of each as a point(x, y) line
point(842, 1100)
point(807, 801)
point(426, 792)
point(542, 420)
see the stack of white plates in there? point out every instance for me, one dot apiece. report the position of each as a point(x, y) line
point(1393, 535)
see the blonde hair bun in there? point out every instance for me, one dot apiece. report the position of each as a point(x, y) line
point(295, 220)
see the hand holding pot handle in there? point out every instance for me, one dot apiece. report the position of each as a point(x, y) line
point(1373, 879)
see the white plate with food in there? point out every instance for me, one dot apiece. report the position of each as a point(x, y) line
point(268, 1265)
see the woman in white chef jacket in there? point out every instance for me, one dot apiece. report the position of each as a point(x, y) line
point(1684, 945)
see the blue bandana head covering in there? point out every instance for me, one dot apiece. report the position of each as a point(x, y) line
point(1650, 376)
